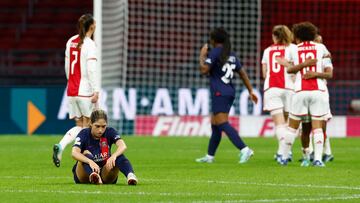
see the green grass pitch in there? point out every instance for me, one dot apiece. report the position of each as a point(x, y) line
point(167, 172)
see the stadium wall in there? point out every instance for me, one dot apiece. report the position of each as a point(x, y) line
point(44, 111)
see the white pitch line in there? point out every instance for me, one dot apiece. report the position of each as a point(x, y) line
point(312, 199)
point(320, 198)
point(36, 177)
point(258, 184)
point(206, 182)
point(187, 194)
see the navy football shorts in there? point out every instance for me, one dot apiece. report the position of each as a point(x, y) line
point(76, 179)
point(221, 104)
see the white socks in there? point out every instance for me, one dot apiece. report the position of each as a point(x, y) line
point(69, 137)
point(327, 148)
point(318, 143)
point(311, 147)
point(288, 142)
point(280, 132)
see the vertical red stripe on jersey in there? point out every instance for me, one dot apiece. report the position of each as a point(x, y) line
point(74, 69)
point(307, 51)
point(277, 71)
point(104, 146)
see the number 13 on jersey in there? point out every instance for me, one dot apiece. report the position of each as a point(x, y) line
point(310, 54)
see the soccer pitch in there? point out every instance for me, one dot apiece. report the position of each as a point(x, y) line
point(167, 172)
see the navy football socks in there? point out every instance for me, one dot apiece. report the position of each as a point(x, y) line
point(124, 165)
point(232, 134)
point(214, 140)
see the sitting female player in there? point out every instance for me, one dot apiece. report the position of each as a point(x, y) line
point(92, 150)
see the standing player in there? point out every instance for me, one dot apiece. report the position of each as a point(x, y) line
point(83, 81)
point(278, 85)
point(306, 123)
point(310, 97)
point(92, 150)
point(221, 64)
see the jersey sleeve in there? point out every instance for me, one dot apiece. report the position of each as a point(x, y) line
point(91, 53)
point(238, 64)
point(325, 51)
point(211, 57)
point(265, 57)
point(113, 135)
point(67, 58)
point(327, 63)
point(326, 60)
point(92, 67)
point(293, 55)
point(81, 140)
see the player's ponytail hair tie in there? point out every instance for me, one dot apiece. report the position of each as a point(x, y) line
point(84, 23)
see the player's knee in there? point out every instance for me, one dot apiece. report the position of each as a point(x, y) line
point(88, 154)
point(78, 122)
point(121, 159)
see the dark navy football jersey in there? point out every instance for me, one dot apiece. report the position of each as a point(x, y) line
point(85, 141)
point(221, 76)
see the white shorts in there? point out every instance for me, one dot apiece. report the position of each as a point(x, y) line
point(313, 103)
point(328, 116)
point(307, 119)
point(277, 98)
point(80, 106)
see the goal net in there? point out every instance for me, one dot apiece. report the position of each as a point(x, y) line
point(150, 70)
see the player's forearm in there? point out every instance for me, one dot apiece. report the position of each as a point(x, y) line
point(298, 67)
point(325, 75)
point(295, 69)
point(204, 68)
point(264, 69)
point(121, 148)
point(80, 157)
point(246, 80)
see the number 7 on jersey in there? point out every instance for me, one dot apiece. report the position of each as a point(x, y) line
point(74, 62)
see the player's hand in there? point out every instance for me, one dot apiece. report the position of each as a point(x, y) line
point(94, 166)
point(282, 61)
point(110, 163)
point(95, 97)
point(204, 51)
point(253, 98)
point(309, 62)
point(310, 75)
